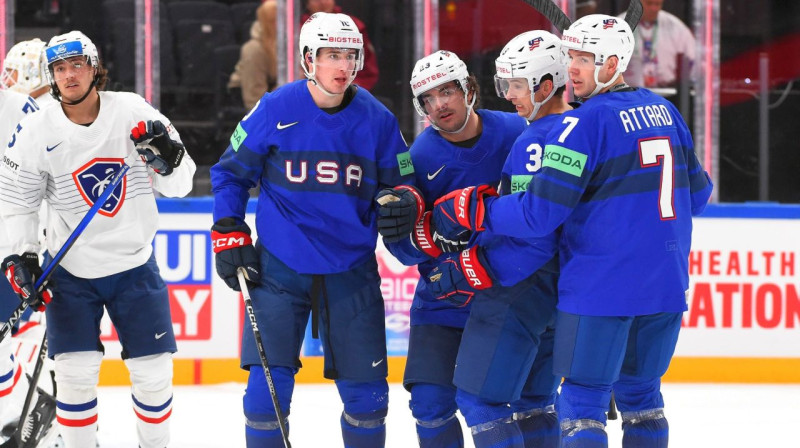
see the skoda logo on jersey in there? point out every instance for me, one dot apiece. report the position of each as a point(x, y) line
point(92, 178)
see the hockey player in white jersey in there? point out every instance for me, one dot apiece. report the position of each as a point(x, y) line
point(13, 107)
point(24, 71)
point(66, 155)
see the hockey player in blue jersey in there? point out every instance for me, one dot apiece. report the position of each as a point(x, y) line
point(504, 373)
point(462, 146)
point(621, 177)
point(319, 150)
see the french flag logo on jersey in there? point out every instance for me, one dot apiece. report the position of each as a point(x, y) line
point(609, 23)
point(534, 43)
point(92, 178)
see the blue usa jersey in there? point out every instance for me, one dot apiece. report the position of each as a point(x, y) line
point(441, 167)
point(318, 175)
point(510, 259)
point(620, 173)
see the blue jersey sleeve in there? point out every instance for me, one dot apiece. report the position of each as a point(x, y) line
point(700, 184)
point(567, 164)
point(241, 165)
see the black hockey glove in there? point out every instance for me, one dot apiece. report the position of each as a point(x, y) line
point(156, 148)
point(426, 239)
point(234, 249)
point(400, 209)
point(22, 272)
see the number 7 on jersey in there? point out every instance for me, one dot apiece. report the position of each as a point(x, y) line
point(658, 151)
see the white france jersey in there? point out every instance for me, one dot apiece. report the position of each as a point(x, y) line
point(68, 165)
point(13, 107)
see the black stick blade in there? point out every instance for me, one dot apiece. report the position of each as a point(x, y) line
point(634, 13)
point(554, 14)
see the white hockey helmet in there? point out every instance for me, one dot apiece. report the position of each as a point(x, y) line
point(604, 36)
point(434, 70)
point(329, 30)
point(28, 60)
point(68, 45)
point(531, 55)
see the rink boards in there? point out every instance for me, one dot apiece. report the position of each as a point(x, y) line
point(743, 323)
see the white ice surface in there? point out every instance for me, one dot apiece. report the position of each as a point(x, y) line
point(700, 415)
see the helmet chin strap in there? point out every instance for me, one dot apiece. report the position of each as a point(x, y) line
point(538, 105)
point(75, 103)
point(601, 85)
point(466, 119)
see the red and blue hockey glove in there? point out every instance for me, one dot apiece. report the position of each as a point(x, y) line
point(458, 277)
point(22, 272)
point(461, 210)
point(400, 209)
point(234, 249)
point(156, 148)
point(426, 239)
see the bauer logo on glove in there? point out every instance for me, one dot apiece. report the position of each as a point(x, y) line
point(156, 148)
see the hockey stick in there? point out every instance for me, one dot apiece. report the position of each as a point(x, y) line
point(35, 433)
point(560, 20)
point(251, 315)
point(552, 13)
point(101, 200)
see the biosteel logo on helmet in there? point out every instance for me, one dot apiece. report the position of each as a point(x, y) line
point(345, 39)
point(429, 79)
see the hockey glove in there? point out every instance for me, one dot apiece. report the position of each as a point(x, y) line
point(234, 249)
point(22, 272)
point(156, 148)
point(458, 277)
point(400, 209)
point(426, 239)
point(461, 210)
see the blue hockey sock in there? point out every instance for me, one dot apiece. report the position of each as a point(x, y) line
point(583, 434)
point(645, 429)
point(261, 424)
point(539, 428)
point(358, 433)
point(365, 407)
point(498, 434)
point(445, 434)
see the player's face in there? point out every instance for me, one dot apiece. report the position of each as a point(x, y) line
point(580, 67)
point(73, 77)
point(445, 106)
point(334, 68)
point(518, 92)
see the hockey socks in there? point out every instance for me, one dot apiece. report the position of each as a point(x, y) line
point(492, 424)
point(583, 433)
point(434, 408)
point(539, 428)
point(440, 434)
point(363, 421)
point(261, 424)
point(645, 429)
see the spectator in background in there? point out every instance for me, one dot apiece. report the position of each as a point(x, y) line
point(368, 76)
point(660, 40)
point(256, 72)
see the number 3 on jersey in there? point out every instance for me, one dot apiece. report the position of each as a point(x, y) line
point(658, 151)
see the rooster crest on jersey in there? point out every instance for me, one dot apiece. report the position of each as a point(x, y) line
point(91, 179)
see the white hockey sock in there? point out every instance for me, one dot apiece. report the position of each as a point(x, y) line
point(151, 377)
point(76, 374)
point(12, 385)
